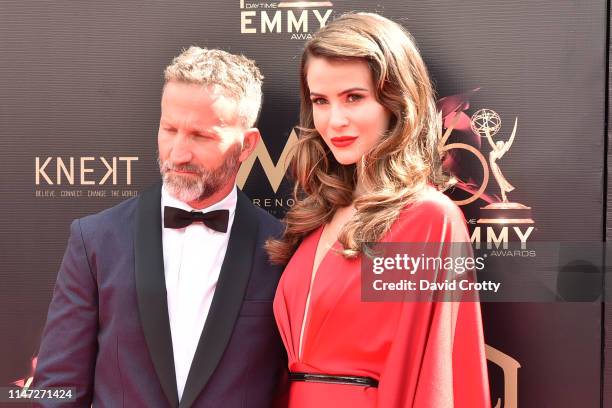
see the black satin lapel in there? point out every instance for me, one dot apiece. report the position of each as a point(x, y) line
point(151, 289)
point(227, 300)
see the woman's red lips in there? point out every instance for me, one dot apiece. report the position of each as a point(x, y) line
point(343, 141)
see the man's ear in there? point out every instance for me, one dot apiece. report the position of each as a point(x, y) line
point(251, 138)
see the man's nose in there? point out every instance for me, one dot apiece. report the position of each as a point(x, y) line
point(338, 116)
point(181, 149)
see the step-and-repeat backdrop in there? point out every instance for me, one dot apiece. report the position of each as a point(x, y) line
point(80, 86)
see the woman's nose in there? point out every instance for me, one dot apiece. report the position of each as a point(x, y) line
point(338, 117)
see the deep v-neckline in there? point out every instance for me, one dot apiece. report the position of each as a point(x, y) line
point(314, 268)
point(313, 274)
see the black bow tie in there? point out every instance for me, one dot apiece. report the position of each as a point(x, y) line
point(177, 218)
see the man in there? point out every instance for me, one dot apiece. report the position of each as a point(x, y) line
point(158, 303)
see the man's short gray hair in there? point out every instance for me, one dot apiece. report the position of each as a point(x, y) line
point(237, 75)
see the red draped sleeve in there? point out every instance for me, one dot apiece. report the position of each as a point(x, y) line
point(437, 356)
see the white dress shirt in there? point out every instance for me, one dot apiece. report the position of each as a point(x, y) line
point(192, 262)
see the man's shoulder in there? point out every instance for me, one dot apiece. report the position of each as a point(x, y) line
point(268, 224)
point(119, 214)
point(124, 211)
point(265, 216)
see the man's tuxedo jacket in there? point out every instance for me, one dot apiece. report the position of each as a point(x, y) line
point(108, 332)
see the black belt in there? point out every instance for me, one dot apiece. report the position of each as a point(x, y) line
point(334, 379)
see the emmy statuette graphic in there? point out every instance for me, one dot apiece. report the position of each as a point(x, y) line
point(487, 123)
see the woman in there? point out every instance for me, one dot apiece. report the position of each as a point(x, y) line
point(368, 170)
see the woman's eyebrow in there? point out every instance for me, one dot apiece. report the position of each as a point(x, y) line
point(353, 89)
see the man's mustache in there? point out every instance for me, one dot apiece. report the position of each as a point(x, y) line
point(183, 167)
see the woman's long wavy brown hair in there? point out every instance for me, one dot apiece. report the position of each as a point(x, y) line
point(394, 172)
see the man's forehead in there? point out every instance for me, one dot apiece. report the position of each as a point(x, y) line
point(212, 90)
point(207, 102)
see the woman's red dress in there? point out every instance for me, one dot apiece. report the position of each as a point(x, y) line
point(424, 354)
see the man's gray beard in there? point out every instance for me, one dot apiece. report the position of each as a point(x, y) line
point(205, 182)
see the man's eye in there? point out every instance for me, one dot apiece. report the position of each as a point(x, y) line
point(207, 137)
point(170, 129)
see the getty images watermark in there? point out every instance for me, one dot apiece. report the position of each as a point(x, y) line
point(461, 272)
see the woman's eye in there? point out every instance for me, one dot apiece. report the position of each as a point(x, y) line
point(318, 101)
point(354, 97)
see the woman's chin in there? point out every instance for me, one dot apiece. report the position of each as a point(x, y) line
point(345, 159)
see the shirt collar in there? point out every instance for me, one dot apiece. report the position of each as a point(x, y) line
point(226, 203)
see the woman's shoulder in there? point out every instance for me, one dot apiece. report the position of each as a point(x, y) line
point(434, 204)
point(433, 216)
